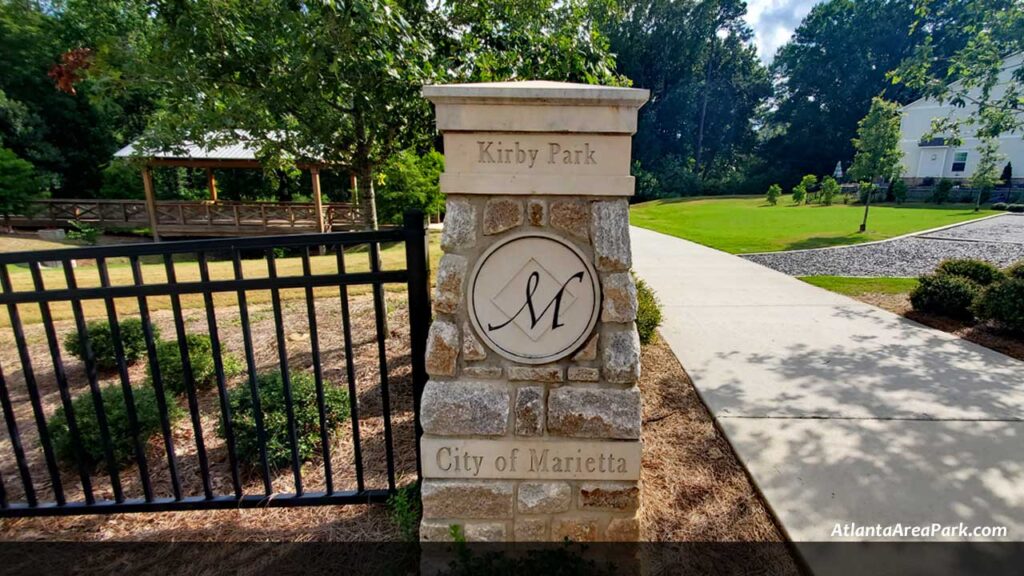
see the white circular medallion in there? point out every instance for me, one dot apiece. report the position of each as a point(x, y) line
point(534, 298)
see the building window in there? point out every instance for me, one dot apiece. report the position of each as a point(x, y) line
point(959, 161)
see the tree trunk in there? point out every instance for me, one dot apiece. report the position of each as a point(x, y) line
point(366, 194)
point(867, 205)
point(698, 155)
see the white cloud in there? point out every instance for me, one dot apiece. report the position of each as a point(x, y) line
point(774, 21)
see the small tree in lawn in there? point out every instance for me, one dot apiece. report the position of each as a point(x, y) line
point(799, 193)
point(19, 185)
point(774, 191)
point(806, 185)
point(984, 178)
point(877, 144)
point(829, 190)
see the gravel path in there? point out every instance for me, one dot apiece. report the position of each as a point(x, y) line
point(998, 240)
point(1005, 228)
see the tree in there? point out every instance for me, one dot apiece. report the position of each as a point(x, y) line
point(51, 114)
point(410, 181)
point(1007, 176)
point(976, 73)
point(985, 175)
point(829, 190)
point(339, 81)
point(834, 65)
point(877, 144)
point(19, 185)
point(774, 191)
point(499, 40)
point(706, 86)
point(806, 185)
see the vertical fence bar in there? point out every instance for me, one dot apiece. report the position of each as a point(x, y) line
point(318, 376)
point(33, 390)
point(19, 452)
point(282, 354)
point(94, 384)
point(126, 386)
point(158, 386)
point(190, 384)
point(417, 265)
point(250, 363)
point(218, 366)
point(350, 373)
point(62, 386)
point(380, 315)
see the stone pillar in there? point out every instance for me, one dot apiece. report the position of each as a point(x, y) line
point(532, 415)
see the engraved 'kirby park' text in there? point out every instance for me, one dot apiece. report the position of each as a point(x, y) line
point(491, 152)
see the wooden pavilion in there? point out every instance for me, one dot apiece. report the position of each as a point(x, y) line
point(219, 218)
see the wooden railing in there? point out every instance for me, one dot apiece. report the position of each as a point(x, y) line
point(195, 218)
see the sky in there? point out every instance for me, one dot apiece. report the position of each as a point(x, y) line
point(774, 21)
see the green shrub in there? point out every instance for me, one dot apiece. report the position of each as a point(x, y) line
point(101, 340)
point(806, 186)
point(83, 232)
point(942, 190)
point(275, 419)
point(1015, 270)
point(200, 355)
point(829, 190)
point(774, 191)
point(945, 294)
point(999, 206)
point(979, 271)
point(115, 408)
point(899, 191)
point(404, 509)
point(1003, 303)
point(648, 312)
point(1015, 208)
point(799, 193)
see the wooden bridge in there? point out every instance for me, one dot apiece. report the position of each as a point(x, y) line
point(202, 219)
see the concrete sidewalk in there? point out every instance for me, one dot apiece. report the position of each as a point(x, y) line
point(842, 412)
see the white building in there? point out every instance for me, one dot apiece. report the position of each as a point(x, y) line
point(934, 159)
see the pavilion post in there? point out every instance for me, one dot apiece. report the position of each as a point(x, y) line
point(147, 184)
point(318, 203)
point(211, 183)
point(354, 189)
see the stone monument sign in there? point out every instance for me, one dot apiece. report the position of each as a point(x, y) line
point(531, 416)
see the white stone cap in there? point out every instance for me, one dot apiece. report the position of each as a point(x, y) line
point(537, 92)
point(536, 106)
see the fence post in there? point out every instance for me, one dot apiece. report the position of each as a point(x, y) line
point(417, 263)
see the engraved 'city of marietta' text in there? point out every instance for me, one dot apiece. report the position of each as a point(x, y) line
point(537, 461)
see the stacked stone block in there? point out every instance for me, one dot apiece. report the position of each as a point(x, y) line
point(474, 393)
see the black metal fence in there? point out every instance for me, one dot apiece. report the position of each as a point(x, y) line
point(347, 311)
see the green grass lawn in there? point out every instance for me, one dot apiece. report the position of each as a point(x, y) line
point(858, 286)
point(741, 225)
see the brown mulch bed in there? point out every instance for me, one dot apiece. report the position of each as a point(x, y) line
point(315, 523)
point(983, 334)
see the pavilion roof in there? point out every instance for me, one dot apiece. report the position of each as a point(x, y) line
point(238, 154)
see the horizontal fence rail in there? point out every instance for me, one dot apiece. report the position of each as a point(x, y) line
point(195, 218)
point(211, 374)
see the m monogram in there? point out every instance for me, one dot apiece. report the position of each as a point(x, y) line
point(534, 297)
point(531, 288)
